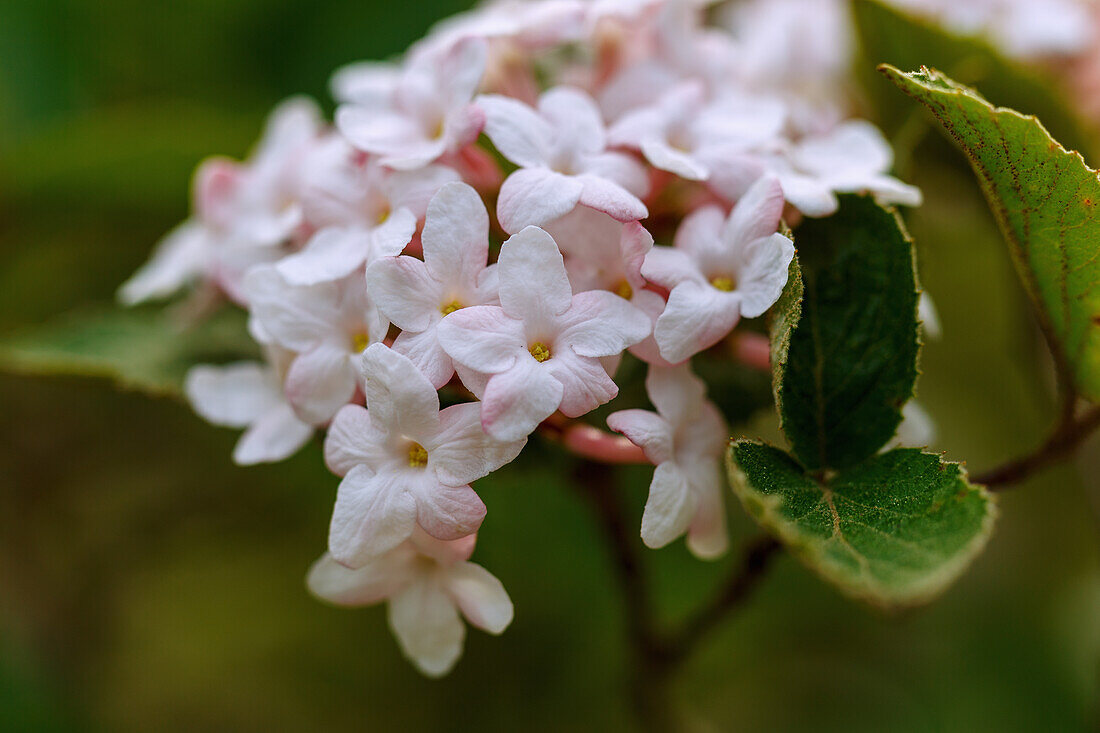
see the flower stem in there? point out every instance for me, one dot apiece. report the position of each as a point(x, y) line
point(1070, 433)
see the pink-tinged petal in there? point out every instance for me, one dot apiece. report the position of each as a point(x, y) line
point(405, 291)
point(179, 258)
point(482, 338)
point(634, 244)
point(369, 83)
point(647, 430)
point(462, 452)
point(516, 401)
point(600, 323)
point(413, 190)
point(534, 286)
point(695, 318)
point(700, 232)
point(887, 189)
point(515, 130)
point(620, 169)
point(707, 537)
point(427, 355)
point(574, 118)
point(670, 507)
point(276, 435)
point(456, 235)
point(444, 552)
point(354, 440)
point(732, 173)
point(851, 145)
point(472, 380)
point(585, 384)
point(463, 68)
point(534, 196)
point(320, 382)
point(652, 305)
point(462, 126)
point(480, 596)
point(400, 399)
point(669, 267)
point(811, 196)
point(662, 155)
point(374, 513)
point(331, 254)
point(390, 237)
point(763, 275)
point(756, 214)
point(427, 626)
point(703, 436)
point(448, 512)
point(377, 580)
point(215, 189)
point(611, 198)
point(234, 395)
point(677, 394)
point(296, 318)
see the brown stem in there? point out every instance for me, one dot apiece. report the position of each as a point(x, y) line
point(1070, 433)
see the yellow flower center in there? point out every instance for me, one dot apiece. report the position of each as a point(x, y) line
point(450, 308)
point(725, 284)
point(360, 341)
point(418, 456)
point(540, 351)
point(623, 290)
point(382, 215)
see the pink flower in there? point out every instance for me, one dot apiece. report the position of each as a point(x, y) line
point(685, 439)
point(328, 325)
point(416, 294)
point(721, 268)
point(405, 463)
point(561, 149)
point(411, 119)
point(427, 583)
point(538, 351)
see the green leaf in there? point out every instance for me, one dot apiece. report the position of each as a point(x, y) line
point(895, 530)
point(850, 364)
point(889, 35)
point(1045, 200)
point(142, 349)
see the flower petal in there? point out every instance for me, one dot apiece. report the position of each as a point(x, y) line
point(353, 440)
point(517, 400)
point(707, 536)
point(426, 354)
point(462, 452)
point(381, 578)
point(179, 258)
point(480, 596)
point(670, 506)
point(600, 323)
point(427, 626)
point(374, 513)
point(535, 196)
point(647, 430)
point(756, 215)
point(695, 318)
point(515, 129)
point(276, 435)
point(319, 382)
point(763, 274)
point(456, 235)
point(234, 395)
point(448, 512)
point(296, 318)
point(534, 286)
point(585, 383)
point(483, 338)
point(405, 291)
point(400, 399)
point(609, 197)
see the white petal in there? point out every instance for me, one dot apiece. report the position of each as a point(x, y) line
point(405, 291)
point(851, 145)
point(647, 430)
point(297, 318)
point(764, 275)
point(378, 579)
point(574, 119)
point(179, 258)
point(670, 507)
point(756, 214)
point(427, 355)
point(233, 395)
point(515, 129)
point(707, 536)
point(695, 318)
point(276, 435)
point(462, 452)
point(677, 394)
point(534, 286)
point(332, 253)
point(400, 399)
point(427, 626)
point(374, 513)
point(701, 232)
point(609, 197)
point(600, 323)
point(535, 196)
point(447, 512)
point(669, 267)
point(480, 596)
point(320, 382)
point(456, 235)
point(585, 384)
point(517, 400)
point(483, 338)
point(353, 440)
point(662, 155)
point(390, 237)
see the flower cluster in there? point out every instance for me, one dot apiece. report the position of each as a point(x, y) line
point(480, 220)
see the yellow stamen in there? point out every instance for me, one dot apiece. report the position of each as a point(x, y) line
point(418, 456)
point(382, 215)
point(360, 341)
point(623, 290)
point(725, 284)
point(450, 308)
point(540, 351)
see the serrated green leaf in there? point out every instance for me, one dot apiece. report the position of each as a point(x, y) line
point(1045, 200)
point(895, 530)
point(890, 35)
point(850, 364)
point(143, 349)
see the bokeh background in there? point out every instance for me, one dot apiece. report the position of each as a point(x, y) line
point(148, 584)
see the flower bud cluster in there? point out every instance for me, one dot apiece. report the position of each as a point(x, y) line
point(480, 219)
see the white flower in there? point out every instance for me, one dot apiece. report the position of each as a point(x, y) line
point(685, 439)
point(327, 325)
point(406, 463)
point(248, 395)
point(561, 149)
point(423, 114)
point(416, 294)
point(539, 349)
point(427, 583)
point(722, 268)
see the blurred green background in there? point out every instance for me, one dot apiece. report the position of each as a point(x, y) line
point(148, 584)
